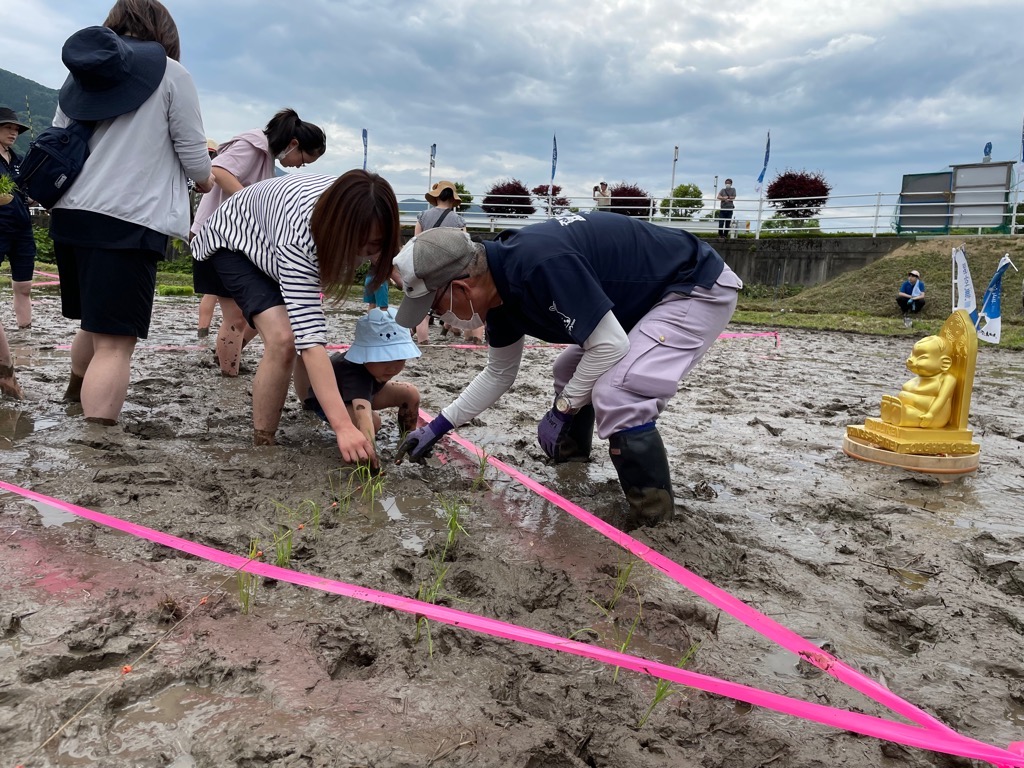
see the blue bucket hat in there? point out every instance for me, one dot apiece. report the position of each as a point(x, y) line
point(379, 339)
point(110, 75)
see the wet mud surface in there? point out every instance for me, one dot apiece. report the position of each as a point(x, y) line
point(917, 583)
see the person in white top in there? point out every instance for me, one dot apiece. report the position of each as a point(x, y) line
point(275, 247)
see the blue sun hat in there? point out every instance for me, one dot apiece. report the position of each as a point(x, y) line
point(379, 339)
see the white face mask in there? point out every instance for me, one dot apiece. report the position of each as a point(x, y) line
point(450, 318)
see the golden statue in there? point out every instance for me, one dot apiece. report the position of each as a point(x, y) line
point(924, 427)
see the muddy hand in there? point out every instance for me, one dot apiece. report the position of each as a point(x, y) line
point(355, 448)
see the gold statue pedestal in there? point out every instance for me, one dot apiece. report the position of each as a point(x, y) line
point(924, 428)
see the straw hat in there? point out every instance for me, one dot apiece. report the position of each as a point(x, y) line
point(438, 188)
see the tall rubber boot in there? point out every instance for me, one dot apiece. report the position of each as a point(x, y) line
point(576, 442)
point(642, 465)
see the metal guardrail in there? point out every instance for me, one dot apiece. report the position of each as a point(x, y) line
point(875, 213)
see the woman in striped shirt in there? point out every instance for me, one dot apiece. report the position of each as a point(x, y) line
point(276, 246)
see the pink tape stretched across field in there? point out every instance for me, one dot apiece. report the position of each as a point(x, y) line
point(736, 608)
point(914, 736)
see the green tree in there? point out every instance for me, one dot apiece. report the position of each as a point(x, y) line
point(686, 200)
point(798, 194)
point(464, 196)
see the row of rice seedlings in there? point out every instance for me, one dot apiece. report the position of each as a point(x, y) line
point(664, 688)
point(248, 583)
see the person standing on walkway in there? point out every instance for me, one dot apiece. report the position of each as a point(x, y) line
point(726, 206)
point(17, 243)
point(445, 201)
point(602, 197)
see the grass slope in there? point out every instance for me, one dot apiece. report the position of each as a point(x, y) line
point(865, 301)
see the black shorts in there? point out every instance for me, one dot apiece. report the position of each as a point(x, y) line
point(231, 274)
point(110, 291)
point(20, 249)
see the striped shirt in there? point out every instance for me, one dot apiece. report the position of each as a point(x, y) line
point(269, 223)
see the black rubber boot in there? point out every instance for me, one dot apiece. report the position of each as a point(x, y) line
point(642, 465)
point(576, 442)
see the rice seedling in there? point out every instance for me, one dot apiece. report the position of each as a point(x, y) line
point(428, 593)
point(622, 647)
point(348, 482)
point(623, 573)
point(283, 539)
point(248, 583)
point(664, 688)
point(453, 511)
point(480, 481)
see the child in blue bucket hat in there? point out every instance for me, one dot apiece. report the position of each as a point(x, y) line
point(365, 371)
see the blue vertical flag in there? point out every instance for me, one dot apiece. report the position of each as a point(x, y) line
point(990, 305)
point(554, 157)
point(433, 151)
point(767, 153)
point(364, 149)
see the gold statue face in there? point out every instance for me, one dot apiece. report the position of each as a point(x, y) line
point(929, 357)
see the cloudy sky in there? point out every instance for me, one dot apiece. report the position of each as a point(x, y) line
point(861, 90)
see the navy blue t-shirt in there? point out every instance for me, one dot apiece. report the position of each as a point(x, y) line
point(354, 383)
point(559, 278)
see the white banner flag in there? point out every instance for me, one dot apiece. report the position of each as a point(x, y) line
point(963, 287)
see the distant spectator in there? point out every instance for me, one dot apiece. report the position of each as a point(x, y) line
point(911, 297)
point(444, 198)
point(726, 206)
point(16, 240)
point(602, 196)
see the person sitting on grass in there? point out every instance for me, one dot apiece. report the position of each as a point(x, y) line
point(364, 374)
point(911, 296)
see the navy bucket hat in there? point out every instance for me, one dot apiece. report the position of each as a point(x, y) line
point(110, 75)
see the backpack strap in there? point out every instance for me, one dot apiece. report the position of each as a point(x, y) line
point(438, 222)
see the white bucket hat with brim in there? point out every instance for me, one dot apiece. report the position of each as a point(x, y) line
point(110, 75)
point(379, 339)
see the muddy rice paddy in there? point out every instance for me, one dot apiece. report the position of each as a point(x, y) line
point(917, 583)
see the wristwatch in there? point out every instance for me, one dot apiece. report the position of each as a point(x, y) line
point(564, 405)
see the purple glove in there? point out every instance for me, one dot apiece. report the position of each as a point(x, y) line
point(417, 444)
point(550, 431)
